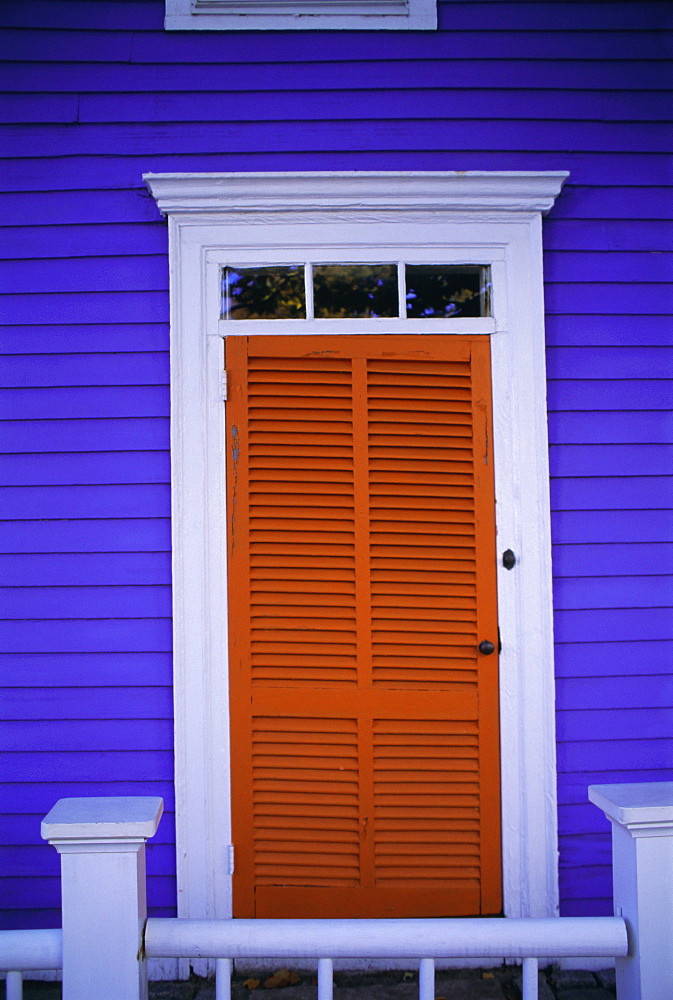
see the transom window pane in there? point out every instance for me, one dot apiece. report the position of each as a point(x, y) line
point(356, 291)
point(352, 291)
point(439, 291)
point(263, 292)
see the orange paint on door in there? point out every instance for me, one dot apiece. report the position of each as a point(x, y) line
point(364, 720)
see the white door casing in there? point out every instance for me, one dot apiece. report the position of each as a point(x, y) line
point(433, 217)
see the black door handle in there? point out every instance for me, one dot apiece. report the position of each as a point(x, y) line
point(486, 647)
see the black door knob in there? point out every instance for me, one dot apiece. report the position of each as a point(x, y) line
point(486, 647)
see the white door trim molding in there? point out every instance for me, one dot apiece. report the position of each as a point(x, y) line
point(491, 218)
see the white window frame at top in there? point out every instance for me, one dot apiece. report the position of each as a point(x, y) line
point(302, 15)
point(432, 217)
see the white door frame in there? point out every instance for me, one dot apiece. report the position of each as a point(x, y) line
point(450, 217)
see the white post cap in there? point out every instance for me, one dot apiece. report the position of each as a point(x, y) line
point(110, 818)
point(646, 806)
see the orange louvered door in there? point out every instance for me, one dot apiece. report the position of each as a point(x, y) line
point(364, 720)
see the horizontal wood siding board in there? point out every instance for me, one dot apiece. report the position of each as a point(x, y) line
point(86, 307)
point(100, 468)
point(124, 171)
point(606, 460)
point(102, 239)
point(613, 658)
point(633, 77)
point(606, 560)
point(643, 753)
point(28, 370)
point(111, 273)
point(86, 402)
point(87, 636)
point(34, 44)
point(84, 703)
point(611, 394)
point(615, 624)
point(150, 601)
point(151, 534)
point(613, 493)
point(99, 94)
point(642, 691)
point(612, 526)
point(316, 104)
point(606, 331)
point(95, 762)
point(642, 427)
point(68, 739)
point(70, 502)
point(59, 435)
point(85, 338)
point(88, 670)
point(614, 592)
point(206, 137)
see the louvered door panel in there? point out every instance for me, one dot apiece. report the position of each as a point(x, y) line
point(365, 774)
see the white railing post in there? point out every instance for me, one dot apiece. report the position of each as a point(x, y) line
point(642, 866)
point(102, 846)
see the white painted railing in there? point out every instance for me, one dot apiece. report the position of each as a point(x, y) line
point(28, 951)
point(106, 939)
point(417, 941)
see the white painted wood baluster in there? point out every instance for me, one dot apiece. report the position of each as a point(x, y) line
point(14, 986)
point(529, 979)
point(426, 979)
point(223, 979)
point(325, 979)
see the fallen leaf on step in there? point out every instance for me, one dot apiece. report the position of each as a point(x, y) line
point(251, 984)
point(283, 977)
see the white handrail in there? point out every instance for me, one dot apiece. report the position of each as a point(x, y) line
point(479, 937)
point(29, 950)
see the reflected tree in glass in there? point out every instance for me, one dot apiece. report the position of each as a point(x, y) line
point(263, 292)
point(442, 291)
point(352, 291)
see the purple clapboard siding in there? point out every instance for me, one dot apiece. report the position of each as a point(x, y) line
point(106, 274)
point(98, 95)
point(613, 659)
point(608, 460)
point(91, 670)
point(90, 402)
point(608, 560)
point(67, 173)
point(119, 534)
point(83, 338)
point(327, 104)
point(85, 602)
point(96, 468)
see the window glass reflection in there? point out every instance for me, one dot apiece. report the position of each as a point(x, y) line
point(439, 291)
point(352, 291)
point(263, 292)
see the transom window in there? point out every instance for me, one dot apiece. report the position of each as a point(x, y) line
point(303, 15)
point(355, 291)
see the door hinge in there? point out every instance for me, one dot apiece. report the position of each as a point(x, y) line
point(224, 385)
point(230, 858)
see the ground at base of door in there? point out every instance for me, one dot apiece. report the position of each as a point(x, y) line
point(503, 983)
